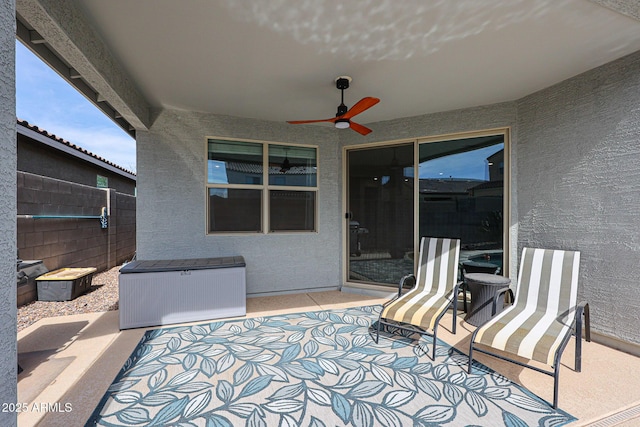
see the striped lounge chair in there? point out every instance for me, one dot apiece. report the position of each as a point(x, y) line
point(544, 315)
point(435, 289)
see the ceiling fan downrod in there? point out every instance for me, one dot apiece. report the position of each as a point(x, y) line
point(342, 83)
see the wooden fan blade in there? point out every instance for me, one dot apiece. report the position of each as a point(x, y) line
point(362, 130)
point(360, 106)
point(302, 122)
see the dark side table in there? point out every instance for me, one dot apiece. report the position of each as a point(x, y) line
point(483, 288)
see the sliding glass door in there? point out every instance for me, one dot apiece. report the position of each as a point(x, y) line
point(381, 214)
point(397, 194)
point(461, 195)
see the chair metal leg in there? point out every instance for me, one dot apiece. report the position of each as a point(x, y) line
point(464, 298)
point(433, 350)
point(556, 376)
point(587, 323)
point(455, 311)
point(578, 355)
point(582, 309)
point(463, 290)
point(556, 366)
point(473, 337)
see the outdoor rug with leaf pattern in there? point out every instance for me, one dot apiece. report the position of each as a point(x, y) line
point(309, 369)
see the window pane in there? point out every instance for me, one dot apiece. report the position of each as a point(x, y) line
point(234, 162)
point(292, 210)
point(233, 209)
point(461, 196)
point(293, 166)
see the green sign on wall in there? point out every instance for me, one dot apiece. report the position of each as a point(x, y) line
point(102, 181)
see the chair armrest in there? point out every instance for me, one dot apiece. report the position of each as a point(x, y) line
point(462, 289)
point(582, 308)
point(499, 294)
point(457, 288)
point(408, 280)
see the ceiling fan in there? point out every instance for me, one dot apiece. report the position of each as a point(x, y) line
point(342, 120)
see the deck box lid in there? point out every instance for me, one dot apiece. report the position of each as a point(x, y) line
point(66, 273)
point(156, 266)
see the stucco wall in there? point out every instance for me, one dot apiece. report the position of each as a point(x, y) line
point(8, 343)
point(171, 192)
point(579, 185)
point(574, 185)
point(171, 211)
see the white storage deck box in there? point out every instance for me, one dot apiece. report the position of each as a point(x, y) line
point(163, 292)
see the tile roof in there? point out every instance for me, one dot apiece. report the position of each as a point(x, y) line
point(445, 185)
point(254, 168)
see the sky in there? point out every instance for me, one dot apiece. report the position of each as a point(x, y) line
point(468, 165)
point(46, 100)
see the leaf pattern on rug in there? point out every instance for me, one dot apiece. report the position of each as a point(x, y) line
point(315, 369)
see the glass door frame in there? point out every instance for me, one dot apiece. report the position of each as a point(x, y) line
point(507, 251)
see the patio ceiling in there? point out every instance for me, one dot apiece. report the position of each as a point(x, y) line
point(277, 60)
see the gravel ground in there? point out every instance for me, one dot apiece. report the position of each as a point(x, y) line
point(103, 296)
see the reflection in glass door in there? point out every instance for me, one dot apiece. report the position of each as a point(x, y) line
point(381, 214)
point(461, 196)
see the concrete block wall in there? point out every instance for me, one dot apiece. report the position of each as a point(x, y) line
point(36, 158)
point(125, 215)
point(62, 242)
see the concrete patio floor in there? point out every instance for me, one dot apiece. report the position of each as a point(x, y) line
point(72, 360)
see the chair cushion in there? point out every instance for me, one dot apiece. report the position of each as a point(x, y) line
point(435, 280)
point(535, 337)
point(544, 310)
point(417, 308)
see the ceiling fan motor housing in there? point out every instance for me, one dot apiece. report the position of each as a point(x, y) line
point(342, 83)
